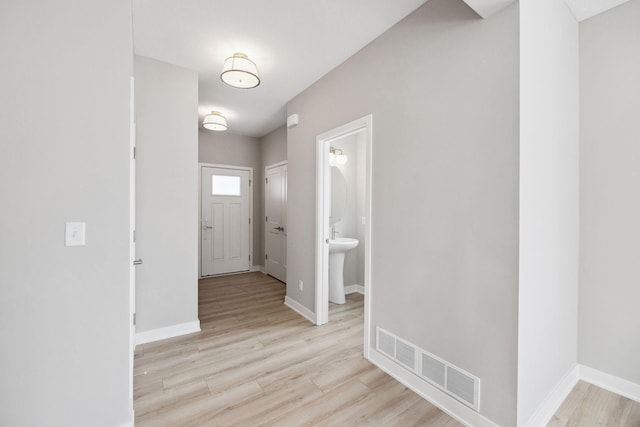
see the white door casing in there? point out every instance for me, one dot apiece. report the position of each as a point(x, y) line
point(225, 220)
point(132, 239)
point(276, 221)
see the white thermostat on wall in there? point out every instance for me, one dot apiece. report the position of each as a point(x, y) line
point(74, 234)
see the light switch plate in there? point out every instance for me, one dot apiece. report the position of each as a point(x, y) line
point(75, 234)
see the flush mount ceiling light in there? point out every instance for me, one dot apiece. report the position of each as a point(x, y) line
point(215, 121)
point(239, 71)
point(337, 156)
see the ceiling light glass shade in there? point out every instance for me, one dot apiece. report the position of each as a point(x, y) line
point(341, 159)
point(215, 121)
point(239, 71)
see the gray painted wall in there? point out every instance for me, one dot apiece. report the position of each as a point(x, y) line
point(166, 194)
point(443, 89)
point(273, 147)
point(225, 148)
point(548, 292)
point(64, 156)
point(608, 313)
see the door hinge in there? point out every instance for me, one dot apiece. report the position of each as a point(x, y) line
point(134, 236)
point(134, 319)
point(266, 219)
point(249, 183)
point(249, 220)
point(134, 151)
point(266, 256)
point(266, 180)
point(249, 257)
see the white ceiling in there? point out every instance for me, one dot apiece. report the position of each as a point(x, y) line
point(293, 42)
point(581, 9)
point(585, 9)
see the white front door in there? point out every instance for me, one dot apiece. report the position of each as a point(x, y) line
point(225, 220)
point(276, 221)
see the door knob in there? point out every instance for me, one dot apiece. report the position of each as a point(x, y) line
point(279, 228)
point(207, 227)
point(137, 261)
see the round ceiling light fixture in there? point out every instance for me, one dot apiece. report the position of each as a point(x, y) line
point(215, 121)
point(239, 71)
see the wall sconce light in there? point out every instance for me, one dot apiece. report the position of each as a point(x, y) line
point(215, 121)
point(239, 71)
point(336, 156)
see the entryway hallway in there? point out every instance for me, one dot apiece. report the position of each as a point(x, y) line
point(256, 362)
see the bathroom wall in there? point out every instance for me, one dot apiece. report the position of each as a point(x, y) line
point(608, 314)
point(225, 148)
point(443, 88)
point(354, 172)
point(64, 156)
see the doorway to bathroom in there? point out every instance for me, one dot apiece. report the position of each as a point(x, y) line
point(343, 220)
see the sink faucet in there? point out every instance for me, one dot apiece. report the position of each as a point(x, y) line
point(334, 232)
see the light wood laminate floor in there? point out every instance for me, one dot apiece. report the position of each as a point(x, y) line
point(256, 362)
point(588, 405)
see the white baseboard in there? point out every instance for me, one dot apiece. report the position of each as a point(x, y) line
point(554, 400)
point(300, 309)
point(352, 289)
point(167, 332)
point(446, 403)
point(259, 268)
point(550, 405)
point(610, 382)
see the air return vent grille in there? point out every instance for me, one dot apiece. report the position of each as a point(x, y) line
point(442, 374)
point(461, 385)
point(406, 354)
point(387, 343)
point(433, 369)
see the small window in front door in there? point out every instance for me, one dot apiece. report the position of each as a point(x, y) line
point(224, 185)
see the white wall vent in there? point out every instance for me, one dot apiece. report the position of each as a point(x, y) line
point(406, 354)
point(438, 372)
point(386, 343)
point(464, 386)
point(433, 369)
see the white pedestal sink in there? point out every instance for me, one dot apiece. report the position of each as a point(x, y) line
point(337, 249)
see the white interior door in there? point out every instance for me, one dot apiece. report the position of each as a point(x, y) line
point(225, 220)
point(276, 222)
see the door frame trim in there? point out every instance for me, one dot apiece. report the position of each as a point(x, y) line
point(132, 241)
point(264, 204)
point(199, 222)
point(323, 204)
